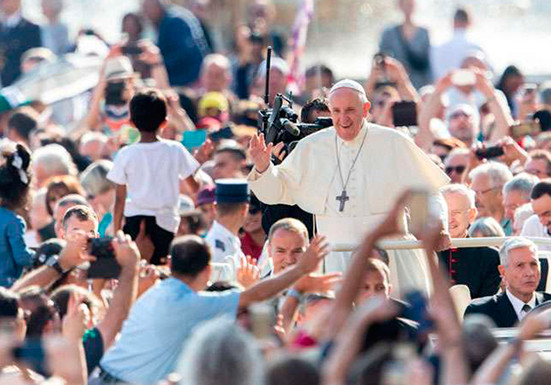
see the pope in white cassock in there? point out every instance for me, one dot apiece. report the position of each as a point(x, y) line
point(349, 177)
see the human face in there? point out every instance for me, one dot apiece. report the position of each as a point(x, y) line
point(215, 78)
point(542, 208)
point(285, 248)
point(511, 201)
point(348, 112)
point(253, 221)
point(461, 126)
point(226, 166)
point(407, 7)
point(488, 199)
point(9, 7)
point(92, 149)
point(209, 213)
point(522, 273)
point(455, 166)
point(537, 167)
point(75, 225)
point(374, 284)
point(152, 10)
point(460, 214)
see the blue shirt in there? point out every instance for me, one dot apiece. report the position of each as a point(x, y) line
point(159, 324)
point(14, 253)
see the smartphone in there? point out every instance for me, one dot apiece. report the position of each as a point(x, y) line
point(522, 129)
point(418, 312)
point(404, 114)
point(105, 266)
point(223, 133)
point(419, 211)
point(489, 152)
point(194, 139)
point(131, 50)
point(263, 320)
point(32, 354)
point(463, 77)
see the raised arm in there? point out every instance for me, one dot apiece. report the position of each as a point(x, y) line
point(72, 255)
point(503, 118)
point(128, 256)
point(429, 110)
point(352, 282)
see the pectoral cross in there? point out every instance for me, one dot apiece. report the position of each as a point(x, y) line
point(342, 199)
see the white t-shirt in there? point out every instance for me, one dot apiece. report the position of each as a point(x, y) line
point(152, 174)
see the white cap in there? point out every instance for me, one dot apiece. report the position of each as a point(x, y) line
point(350, 84)
point(276, 63)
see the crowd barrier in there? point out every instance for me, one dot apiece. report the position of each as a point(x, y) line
point(456, 243)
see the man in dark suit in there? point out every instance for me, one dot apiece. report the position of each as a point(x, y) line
point(475, 267)
point(521, 269)
point(17, 35)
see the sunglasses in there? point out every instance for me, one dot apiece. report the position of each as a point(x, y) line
point(254, 210)
point(457, 169)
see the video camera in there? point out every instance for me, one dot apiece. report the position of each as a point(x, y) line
point(280, 123)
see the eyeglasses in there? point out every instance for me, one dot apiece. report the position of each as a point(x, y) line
point(457, 169)
point(482, 192)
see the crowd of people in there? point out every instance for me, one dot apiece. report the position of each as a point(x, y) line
point(155, 229)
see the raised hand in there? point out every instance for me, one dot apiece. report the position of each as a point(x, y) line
point(315, 253)
point(203, 153)
point(247, 273)
point(260, 153)
point(126, 251)
point(74, 322)
point(75, 253)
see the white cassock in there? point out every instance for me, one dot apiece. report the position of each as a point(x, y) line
point(388, 164)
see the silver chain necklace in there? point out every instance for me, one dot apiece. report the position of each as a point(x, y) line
point(344, 197)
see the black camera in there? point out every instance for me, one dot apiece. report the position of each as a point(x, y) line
point(131, 50)
point(280, 123)
point(489, 152)
point(105, 266)
point(114, 93)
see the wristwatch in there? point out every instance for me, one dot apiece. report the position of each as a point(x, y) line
point(54, 264)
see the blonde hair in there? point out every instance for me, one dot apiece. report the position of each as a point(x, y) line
point(288, 224)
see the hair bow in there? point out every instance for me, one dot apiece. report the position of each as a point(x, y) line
point(17, 162)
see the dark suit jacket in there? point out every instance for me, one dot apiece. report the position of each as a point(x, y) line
point(13, 43)
point(499, 308)
point(475, 267)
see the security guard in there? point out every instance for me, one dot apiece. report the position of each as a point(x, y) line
point(232, 205)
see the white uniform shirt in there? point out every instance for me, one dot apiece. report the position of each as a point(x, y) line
point(533, 228)
point(226, 249)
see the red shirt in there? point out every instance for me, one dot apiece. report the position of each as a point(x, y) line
point(249, 246)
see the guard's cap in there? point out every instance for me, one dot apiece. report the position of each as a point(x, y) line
point(232, 191)
point(350, 84)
